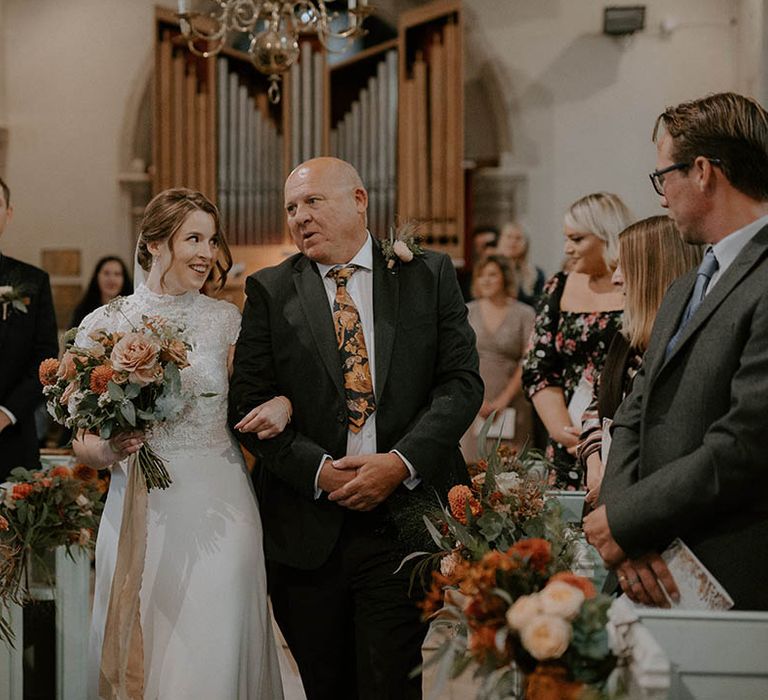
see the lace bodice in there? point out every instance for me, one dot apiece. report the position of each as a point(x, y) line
point(210, 326)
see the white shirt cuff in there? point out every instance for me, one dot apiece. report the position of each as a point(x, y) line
point(318, 490)
point(414, 479)
point(9, 414)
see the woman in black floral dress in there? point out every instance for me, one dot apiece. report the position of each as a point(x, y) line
point(576, 319)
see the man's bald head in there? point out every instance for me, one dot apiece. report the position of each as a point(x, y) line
point(338, 172)
point(325, 204)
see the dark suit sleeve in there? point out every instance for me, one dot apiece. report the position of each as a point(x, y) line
point(291, 456)
point(26, 394)
point(457, 389)
point(724, 473)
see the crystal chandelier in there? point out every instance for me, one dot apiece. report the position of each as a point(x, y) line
point(274, 28)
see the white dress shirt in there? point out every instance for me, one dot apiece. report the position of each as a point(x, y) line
point(360, 288)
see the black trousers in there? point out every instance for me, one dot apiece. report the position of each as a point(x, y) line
point(351, 624)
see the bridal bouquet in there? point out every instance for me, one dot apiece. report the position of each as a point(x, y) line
point(39, 511)
point(123, 382)
point(514, 612)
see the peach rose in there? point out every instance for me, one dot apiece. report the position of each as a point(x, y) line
point(174, 351)
point(67, 369)
point(137, 355)
point(561, 599)
point(546, 637)
point(523, 610)
point(583, 584)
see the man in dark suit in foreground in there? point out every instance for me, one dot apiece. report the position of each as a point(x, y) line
point(381, 368)
point(27, 336)
point(688, 457)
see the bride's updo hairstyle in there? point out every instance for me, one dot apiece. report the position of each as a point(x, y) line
point(164, 216)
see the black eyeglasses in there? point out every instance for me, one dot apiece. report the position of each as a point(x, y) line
point(657, 176)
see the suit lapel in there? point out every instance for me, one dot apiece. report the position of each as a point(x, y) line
point(739, 268)
point(386, 299)
point(314, 304)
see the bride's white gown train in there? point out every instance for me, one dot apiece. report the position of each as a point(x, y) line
point(205, 621)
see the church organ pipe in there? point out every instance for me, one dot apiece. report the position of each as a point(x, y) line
point(366, 136)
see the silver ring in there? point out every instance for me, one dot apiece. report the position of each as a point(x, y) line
point(622, 578)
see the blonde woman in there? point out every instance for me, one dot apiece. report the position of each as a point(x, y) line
point(651, 256)
point(502, 326)
point(577, 317)
point(514, 245)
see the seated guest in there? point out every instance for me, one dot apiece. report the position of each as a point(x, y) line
point(577, 317)
point(110, 279)
point(651, 256)
point(514, 245)
point(503, 326)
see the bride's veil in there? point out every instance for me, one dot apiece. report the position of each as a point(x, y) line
point(139, 276)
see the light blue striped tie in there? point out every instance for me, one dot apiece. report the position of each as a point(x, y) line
point(707, 269)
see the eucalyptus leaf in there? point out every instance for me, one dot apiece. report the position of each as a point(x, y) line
point(129, 412)
point(115, 392)
point(132, 390)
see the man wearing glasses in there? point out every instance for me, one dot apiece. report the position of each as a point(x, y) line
point(688, 457)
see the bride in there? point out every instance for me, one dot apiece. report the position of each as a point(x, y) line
point(205, 630)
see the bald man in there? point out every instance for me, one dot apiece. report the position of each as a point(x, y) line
point(378, 411)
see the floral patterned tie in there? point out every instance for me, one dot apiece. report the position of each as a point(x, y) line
point(358, 384)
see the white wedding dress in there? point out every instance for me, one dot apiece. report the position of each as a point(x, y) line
point(206, 626)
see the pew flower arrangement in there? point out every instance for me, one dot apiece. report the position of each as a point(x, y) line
point(504, 503)
point(123, 382)
point(512, 612)
point(39, 511)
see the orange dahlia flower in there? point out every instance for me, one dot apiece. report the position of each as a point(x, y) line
point(536, 551)
point(47, 371)
point(63, 472)
point(458, 497)
point(21, 491)
point(100, 378)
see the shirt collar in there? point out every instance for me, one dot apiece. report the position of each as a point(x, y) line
point(363, 258)
point(726, 250)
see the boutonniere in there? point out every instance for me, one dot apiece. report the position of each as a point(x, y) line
point(402, 245)
point(12, 299)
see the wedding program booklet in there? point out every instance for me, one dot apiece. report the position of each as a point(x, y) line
point(699, 589)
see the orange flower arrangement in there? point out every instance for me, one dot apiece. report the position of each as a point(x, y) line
point(458, 497)
point(100, 378)
point(47, 371)
point(39, 511)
